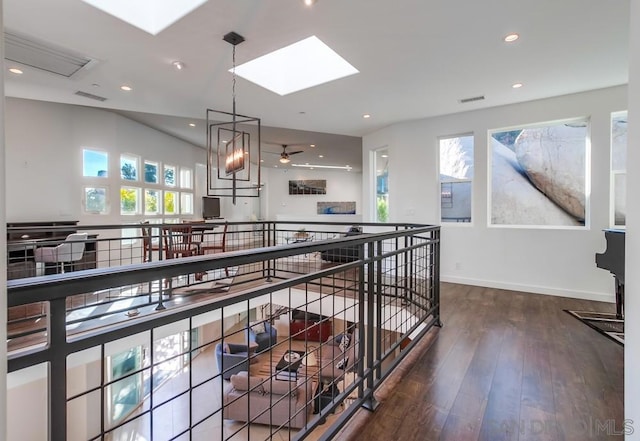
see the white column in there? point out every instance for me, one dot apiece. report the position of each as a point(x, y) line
point(3, 247)
point(632, 262)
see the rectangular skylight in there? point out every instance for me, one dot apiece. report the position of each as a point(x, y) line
point(151, 16)
point(301, 65)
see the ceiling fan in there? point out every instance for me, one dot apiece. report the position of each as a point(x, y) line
point(284, 156)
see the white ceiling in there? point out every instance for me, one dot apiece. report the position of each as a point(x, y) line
point(416, 59)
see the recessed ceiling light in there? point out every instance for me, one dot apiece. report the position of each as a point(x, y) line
point(262, 160)
point(301, 65)
point(150, 16)
point(366, 115)
point(510, 38)
point(384, 156)
point(516, 85)
point(192, 124)
point(320, 156)
point(309, 2)
point(179, 65)
point(126, 88)
point(312, 145)
point(15, 70)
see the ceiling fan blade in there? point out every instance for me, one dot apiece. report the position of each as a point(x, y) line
point(294, 153)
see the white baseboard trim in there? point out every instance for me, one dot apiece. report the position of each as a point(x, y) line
point(536, 289)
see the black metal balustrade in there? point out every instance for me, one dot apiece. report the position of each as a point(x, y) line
point(132, 351)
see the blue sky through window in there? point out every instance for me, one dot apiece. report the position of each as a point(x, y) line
point(95, 163)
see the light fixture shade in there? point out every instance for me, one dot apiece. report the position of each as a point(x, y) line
point(285, 160)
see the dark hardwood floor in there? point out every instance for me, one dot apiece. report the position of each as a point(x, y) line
point(505, 366)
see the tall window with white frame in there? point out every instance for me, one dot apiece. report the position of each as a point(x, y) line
point(381, 167)
point(618, 169)
point(456, 178)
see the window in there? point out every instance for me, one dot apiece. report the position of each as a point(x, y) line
point(150, 172)
point(456, 177)
point(381, 163)
point(170, 202)
point(185, 178)
point(619, 168)
point(95, 163)
point(152, 201)
point(538, 174)
point(95, 200)
point(129, 168)
point(170, 175)
point(129, 200)
point(186, 203)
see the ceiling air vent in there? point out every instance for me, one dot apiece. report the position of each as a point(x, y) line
point(42, 55)
point(90, 95)
point(472, 99)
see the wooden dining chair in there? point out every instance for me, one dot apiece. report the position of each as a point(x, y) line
point(178, 242)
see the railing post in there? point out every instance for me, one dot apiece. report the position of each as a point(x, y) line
point(370, 403)
point(57, 370)
point(378, 298)
point(435, 235)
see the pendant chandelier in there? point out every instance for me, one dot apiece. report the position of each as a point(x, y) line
point(229, 135)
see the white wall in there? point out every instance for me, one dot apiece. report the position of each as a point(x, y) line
point(3, 263)
point(549, 261)
point(342, 186)
point(632, 262)
point(44, 143)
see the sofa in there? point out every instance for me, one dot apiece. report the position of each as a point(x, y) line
point(338, 356)
point(249, 398)
point(310, 327)
point(262, 334)
point(233, 358)
point(347, 253)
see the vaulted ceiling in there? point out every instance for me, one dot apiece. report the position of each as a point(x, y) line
point(415, 58)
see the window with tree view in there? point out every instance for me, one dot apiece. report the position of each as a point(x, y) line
point(95, 200)
point(456, 178)
point(129, 168)
point(129, 200)
point(381, 162)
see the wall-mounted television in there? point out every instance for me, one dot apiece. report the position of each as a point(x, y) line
point(210, 207)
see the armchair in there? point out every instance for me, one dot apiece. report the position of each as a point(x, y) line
point(69, 251)
point(262, 334)
point(233, 358)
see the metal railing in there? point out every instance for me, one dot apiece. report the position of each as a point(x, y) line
point(169, 372)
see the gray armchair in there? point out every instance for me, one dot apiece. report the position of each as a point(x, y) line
point(265, 339)
point(232, 358)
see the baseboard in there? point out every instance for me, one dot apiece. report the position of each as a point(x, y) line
point(536, 289)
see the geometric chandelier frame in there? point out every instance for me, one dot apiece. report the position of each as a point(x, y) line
point(230, 165)
point(230, 143)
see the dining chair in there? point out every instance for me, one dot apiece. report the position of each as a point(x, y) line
point(178, 242)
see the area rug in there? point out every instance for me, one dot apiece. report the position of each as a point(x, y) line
point(604, 322)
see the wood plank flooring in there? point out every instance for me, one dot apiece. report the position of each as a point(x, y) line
point(505, 366)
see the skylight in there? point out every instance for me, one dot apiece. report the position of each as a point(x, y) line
point(152, 16)
point(298, 66)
